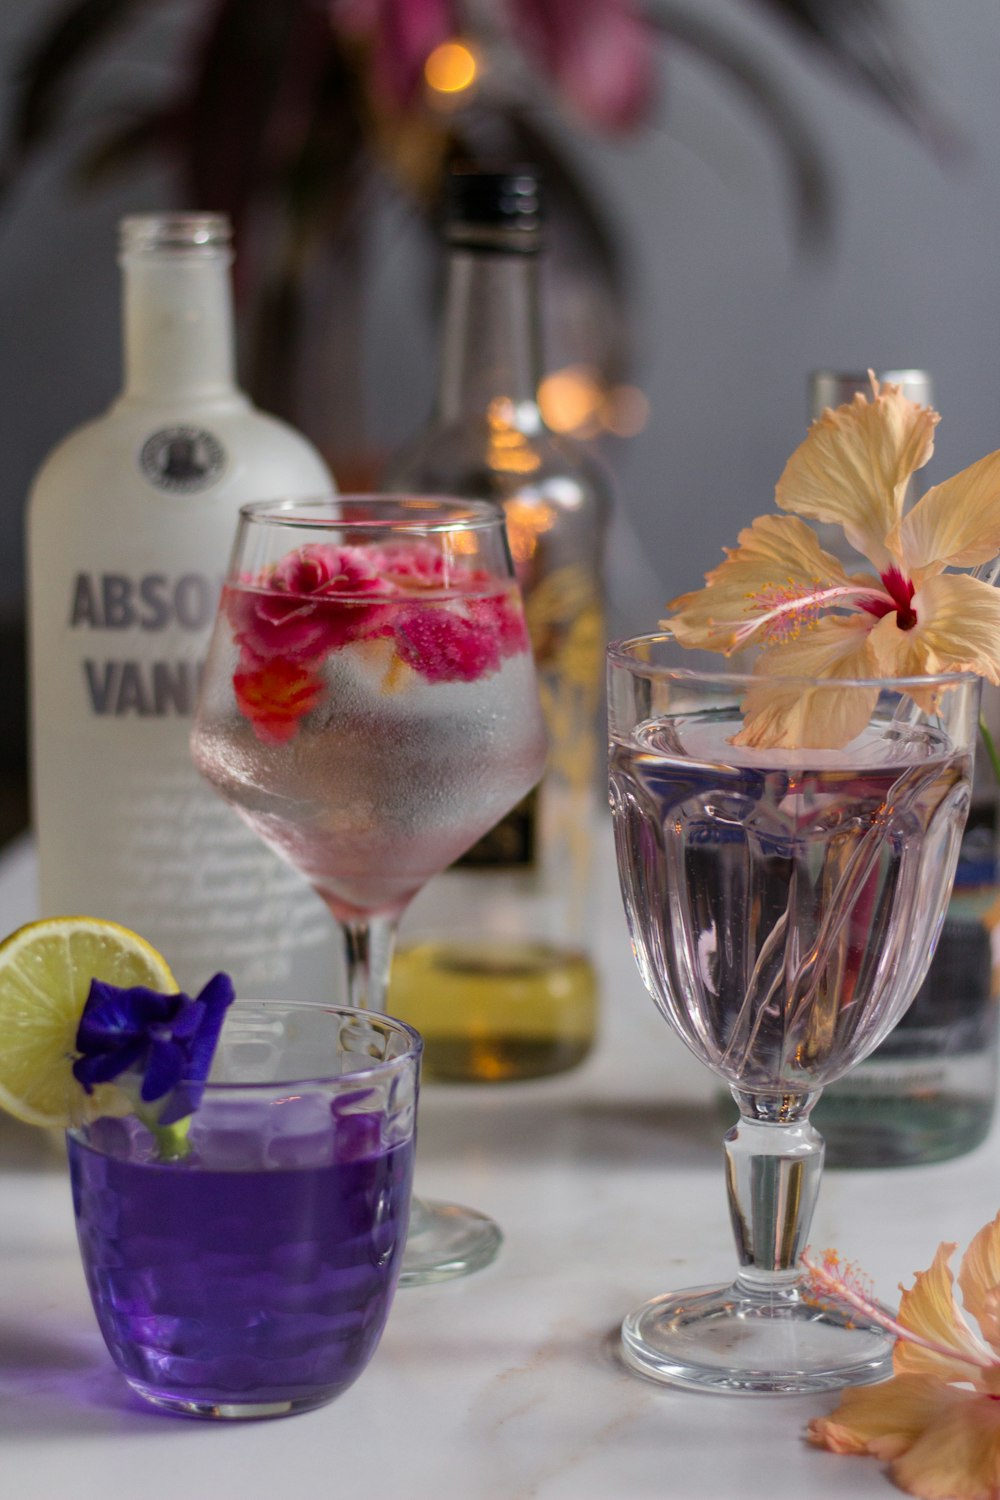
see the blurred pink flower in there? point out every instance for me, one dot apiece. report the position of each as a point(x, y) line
point(403, 33)
point(599, 53)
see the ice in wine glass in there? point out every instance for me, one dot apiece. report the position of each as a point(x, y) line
point(369, 707)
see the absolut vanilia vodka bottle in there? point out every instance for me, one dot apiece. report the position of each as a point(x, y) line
point(130, 524)
point(493, 966)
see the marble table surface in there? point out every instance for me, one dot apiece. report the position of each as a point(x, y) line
point(505, 1385)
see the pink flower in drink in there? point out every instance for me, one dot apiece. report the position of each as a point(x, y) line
point(502, 614)
point(419, 565)
point(305, 605)
point(465, 639)
point(446, 645)
point(275, 695)
point(321, 598)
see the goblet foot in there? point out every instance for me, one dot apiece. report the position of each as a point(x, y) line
point(737, 1340)
point(446, 1240)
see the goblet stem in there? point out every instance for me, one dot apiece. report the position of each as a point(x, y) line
point(774, 1160)
point(444, 1239)
point(368, 947)
point(761, 1333)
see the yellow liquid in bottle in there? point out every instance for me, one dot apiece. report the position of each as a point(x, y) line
point(494, 1012)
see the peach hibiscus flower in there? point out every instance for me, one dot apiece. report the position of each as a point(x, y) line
point(937, 1421)
point(780, 591)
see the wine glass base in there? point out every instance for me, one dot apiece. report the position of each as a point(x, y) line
point(729, 1339)
point(446, 1240)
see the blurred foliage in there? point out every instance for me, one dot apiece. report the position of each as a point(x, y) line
point(293, 116)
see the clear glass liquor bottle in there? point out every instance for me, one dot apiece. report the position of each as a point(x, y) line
point(928, 1092)
point(493, 967)
point(130, 523)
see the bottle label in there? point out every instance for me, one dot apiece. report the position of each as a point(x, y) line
point(182, 460)
point(141, 682)
point(126, 827)
point(511, 843)
point(565, 624)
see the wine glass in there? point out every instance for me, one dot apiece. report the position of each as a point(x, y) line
point(369, 707)
point(783, 907)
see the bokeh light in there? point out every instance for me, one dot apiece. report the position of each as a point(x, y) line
point(625, 411)
point(571, 400)
point(451, 68)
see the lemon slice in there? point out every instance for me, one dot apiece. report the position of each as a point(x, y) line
point(45, 973)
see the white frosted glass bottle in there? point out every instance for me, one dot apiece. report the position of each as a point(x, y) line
point(130, 523)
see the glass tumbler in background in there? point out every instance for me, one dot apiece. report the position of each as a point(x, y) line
point(253, 1277)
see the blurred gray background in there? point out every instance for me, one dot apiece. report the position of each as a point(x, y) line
point(728, 311)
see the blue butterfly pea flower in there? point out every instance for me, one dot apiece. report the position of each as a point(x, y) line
point(169, 1040)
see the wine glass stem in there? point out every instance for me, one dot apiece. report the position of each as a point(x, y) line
point(368, 949)
point(773, 1169)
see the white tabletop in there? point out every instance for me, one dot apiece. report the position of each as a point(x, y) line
point(608, 1183)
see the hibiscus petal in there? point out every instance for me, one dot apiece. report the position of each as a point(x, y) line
point(979, 1279)
point(957, 1457)
point(854, 465)
point(783, 713)
point(887, 1419)
point(778, 564)
point(956, 523)
point(957, 630)
point(929, 1308)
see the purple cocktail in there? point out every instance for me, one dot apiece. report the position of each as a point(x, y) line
point(253, 1277)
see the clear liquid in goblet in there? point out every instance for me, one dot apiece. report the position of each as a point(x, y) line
point(783, 904)
point(392, 774)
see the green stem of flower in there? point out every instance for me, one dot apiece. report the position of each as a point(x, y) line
point(991, 749)
point(172, 1143)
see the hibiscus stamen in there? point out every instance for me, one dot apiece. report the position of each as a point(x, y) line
point(786, 611)
point(846, 1283)
point(900, 590)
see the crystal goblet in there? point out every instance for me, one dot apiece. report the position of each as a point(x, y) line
point(369, 707)
point(783, 907)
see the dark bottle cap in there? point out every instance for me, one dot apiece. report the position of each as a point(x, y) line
point(491, 210)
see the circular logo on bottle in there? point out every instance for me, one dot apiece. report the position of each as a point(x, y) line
point(181, 460)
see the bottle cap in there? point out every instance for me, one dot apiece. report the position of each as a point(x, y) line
point(837, 387)
point(494, 210)
point(172, 233)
